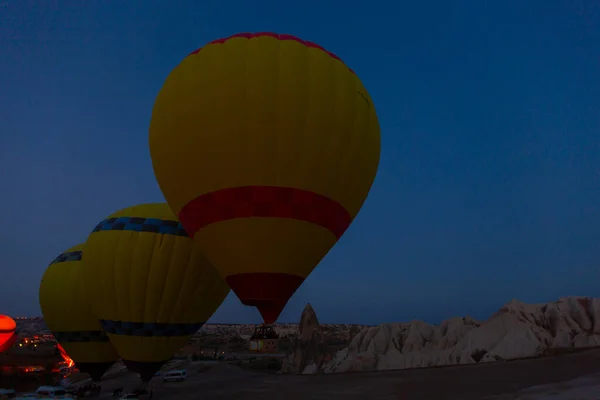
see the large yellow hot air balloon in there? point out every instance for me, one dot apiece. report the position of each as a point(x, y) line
point(151, 286)
point(266, 147)
point(67, 311)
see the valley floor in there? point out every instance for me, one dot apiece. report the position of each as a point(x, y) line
point(503, 380)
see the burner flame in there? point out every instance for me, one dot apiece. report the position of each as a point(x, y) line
point(68, 360)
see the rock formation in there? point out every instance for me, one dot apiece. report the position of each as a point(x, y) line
point(517, 330)
point(309, 349)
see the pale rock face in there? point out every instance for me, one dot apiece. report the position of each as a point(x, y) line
point(309, 347)
point(517, 330)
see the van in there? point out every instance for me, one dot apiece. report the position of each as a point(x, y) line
point(137, 394)
point(7, 394)
point(51, 392)
point(129, 396)
point(176, 375)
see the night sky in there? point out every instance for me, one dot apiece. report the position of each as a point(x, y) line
point(489, 182)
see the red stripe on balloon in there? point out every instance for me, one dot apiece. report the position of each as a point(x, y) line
point(248, 35)
point(268, 292)
point(266, 202)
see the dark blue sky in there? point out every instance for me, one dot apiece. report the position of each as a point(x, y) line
point(489, 183)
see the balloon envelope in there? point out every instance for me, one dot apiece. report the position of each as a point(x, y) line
point(8, 334)
point(266, 147)
point(151, 286)
point(67, 311)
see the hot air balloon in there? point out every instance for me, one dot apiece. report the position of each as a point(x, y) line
point(151, 286)
point(8, 333)
point(66, 307)
point(266, 147)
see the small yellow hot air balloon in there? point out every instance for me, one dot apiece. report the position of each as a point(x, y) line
point(151, 286)
point(266, 147)
point(68, 314)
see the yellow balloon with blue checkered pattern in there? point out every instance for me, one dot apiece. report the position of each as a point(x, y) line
point(151, 285)
point(67, 311)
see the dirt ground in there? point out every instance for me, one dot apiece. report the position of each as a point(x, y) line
point(224, 381)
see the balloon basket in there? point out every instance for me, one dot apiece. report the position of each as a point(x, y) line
point(264, 340)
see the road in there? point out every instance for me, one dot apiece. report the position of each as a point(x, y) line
point(224, 381)
point(585, 388)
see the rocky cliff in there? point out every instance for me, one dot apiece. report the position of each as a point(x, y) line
point(517, 330)
point(309, 349)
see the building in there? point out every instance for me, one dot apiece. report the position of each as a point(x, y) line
point(24, 361)
point(202, 351)
point(212, 352)
point(264, 340)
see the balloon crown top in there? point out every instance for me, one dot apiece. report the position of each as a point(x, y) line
point(278, 36)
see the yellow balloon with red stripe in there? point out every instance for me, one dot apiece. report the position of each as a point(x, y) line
point(150, 284)
point(266, 147)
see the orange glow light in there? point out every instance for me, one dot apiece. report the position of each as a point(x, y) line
point(70, 363)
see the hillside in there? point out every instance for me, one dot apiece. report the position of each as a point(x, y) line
point(338, 335)
point(517, 330)
point(334, 332)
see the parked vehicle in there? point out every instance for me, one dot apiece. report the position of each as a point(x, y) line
point(175, 376)
point(137, 394)
point(51, 392)
point(7, 394)
point(129, 396)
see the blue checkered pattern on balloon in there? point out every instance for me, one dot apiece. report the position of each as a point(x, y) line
point(149, 328)
point(68, 256)
point(138, 224)
point(81, 336)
